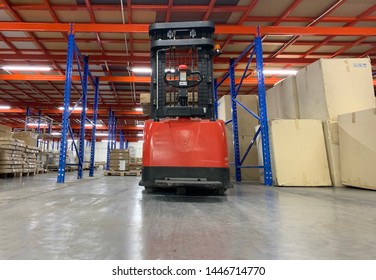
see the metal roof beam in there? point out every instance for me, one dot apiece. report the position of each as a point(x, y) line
point(220, 29)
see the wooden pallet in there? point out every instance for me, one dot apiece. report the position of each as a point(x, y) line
point(11, 175)
point(27, 174)
point(122, 173)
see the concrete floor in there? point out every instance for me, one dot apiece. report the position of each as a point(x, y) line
point(113, 218)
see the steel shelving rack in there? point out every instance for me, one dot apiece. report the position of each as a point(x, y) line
point(254, 49)
point(111, 144)
point(74, 54)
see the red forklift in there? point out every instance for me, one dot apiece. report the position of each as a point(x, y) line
point(184, 144)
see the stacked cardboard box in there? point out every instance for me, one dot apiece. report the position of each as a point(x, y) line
point(5, 131)
point(324, 90)
point(246, 126)
point(49, 159)
point(30, 156)
point(282, 100)
point(135, 163)
point(11, 155)
point(119, 160)
point(30, 138)
point(332, 87)
point(357, 139)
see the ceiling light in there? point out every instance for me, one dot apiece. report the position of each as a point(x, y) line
point(26, 68)
point(101, 134)
point(141, 70)
point(140, 125)
point(56, 133)
point(4, 107)
point(140, 134)
point(61, 108)
point(138, 109)
point(90, 125)
point(279, 72)
point(36, 125)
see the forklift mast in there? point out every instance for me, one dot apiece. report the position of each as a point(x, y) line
point(182, 70)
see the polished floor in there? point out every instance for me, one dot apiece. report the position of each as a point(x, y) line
point(113, 218)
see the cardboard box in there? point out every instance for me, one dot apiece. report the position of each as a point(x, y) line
point(298, 153)
point(282, 100)
point(30, 138)
point(5, 130)
point(246, 122)
point(357, 139)
point(332, 87)
point(332, 149)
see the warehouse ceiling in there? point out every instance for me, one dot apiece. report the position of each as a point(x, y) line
point(113, 33)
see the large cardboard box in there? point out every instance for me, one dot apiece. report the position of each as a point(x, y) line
point(298, 153)
point(357, 139)
point(332, 149)
point(246, 122)
point(332, 87)
point(5, 129)
point(30, 138)
point(282, 100)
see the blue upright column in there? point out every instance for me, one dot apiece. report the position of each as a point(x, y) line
point(121, 136)
point(83, 119)
point(263, 115)
point(65, 120)
point(113, 131)
point(109, 139)
point(94, 131)
point(235, 131)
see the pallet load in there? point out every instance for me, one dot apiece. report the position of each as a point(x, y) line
point(49, 159)
point(5, 131)
point(120, 164)
point(30, 138)
point(135, 163)
point(357, 139)
point(30, 159)
point(119, 160)
point(11, 156)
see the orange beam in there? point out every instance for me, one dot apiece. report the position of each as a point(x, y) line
point(124, 79)
point(12, 111)
point(220, 29)
point(76, 112)
point(299, 30)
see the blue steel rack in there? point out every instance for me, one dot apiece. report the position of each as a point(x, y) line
point(74, 54)
point(111, 144)
point(255, 48)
